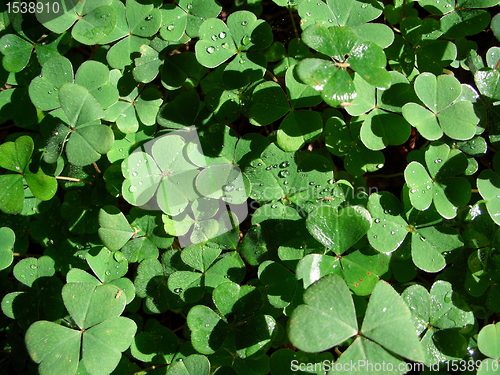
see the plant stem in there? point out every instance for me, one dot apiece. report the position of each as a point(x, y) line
point(96, 168)
point(73, 179)
point(497, 65)
point(293, 23)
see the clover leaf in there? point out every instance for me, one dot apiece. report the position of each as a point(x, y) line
point(488, 184)
point(437, 313)
point(444, 113)
point(41, 295)
point(209, 329)
point(330, 297)
point(77, 125)
point(392, 223)
point(441, 187)
point(101, 335)
point(95, 20)
point(243, 36)
point(348, 51)
point(344, 140)
point(16, 156)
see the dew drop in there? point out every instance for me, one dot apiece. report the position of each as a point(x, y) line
point(33, 266)
point(377, 221)
point(225, 45)
point(437, 161)
point(269, 168)
point(170, 27)
point(246, 40)
point(134, 174)
point(149, 18)
point(210, 50)
point(243, 61)
point(178, 290)
point(132, 189)
point(375, 237)
point(284, 164)
point(274, 206)
point(286, 182)
point(244, 23)
point(312, 183)
point(283, 173)
point(214, 37)
point(222, 35)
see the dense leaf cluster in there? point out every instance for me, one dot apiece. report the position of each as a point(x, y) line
point(359, 135)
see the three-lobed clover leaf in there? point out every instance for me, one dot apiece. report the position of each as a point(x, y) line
point(100, 338)
point(440, 317)
point(392, 223)
point(95, 20)
point(330, 311)
point(16, 157)
point(444, 114)
point(228, 327)
point(77, 126)
point(439, 185)
point(243, 36)
point(348, 51)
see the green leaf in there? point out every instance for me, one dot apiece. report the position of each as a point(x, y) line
point(381, 129)
point(339, 228)
point(143, 19)
point(488, 184)
point(7, 240)
point(488, 340)
point(11, 193)
point(216, 44)
point(330, 309)
point(54, 347)
point(106, 267)
point(269, 103)
point(420, 185)
point(297, 128)
point(103, 344)
point(95, 26)
point(90, 305)
point(386, 308)
point(174, 21)
point(313, 267)
point(147, 66)
point(94, 76)
point(429, 244)
point(208, 330)
point(114, 229)
point(335, 84)
point(16, 155)
point(16, 51)
point(280, 283)
point(43, 90)
point(193, 365)
point(389, 227)
point(42, 186)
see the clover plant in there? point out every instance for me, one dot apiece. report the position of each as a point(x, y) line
point(197, 187)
